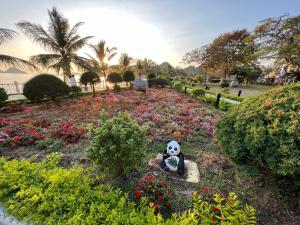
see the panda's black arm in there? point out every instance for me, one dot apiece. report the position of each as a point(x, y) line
point(163, 164)
point(165, 155)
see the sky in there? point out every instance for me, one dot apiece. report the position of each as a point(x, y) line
point(163, 30)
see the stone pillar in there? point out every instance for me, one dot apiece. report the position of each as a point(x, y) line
point(17, 87)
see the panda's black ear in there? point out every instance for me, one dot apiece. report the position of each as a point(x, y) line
point(179, 143)
point(168, 141)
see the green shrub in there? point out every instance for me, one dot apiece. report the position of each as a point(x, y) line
point(90, 78)
point(44, 193)
point(128, 76)
point(151, 76)
point(198, 92)
point(118, 144)
point(75, 90)
point(45, 86)
point(200, 79)
point(225, 84)
point(226, 91)
point(158, 82)
point(263, 132)
point(3, 95)
point(114, 78)
point(215, 80)
point(219, 209)
point(178, 85)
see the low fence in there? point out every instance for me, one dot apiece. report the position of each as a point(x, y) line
point(13, 89)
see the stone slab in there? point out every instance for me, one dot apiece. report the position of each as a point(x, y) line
point(191, 169)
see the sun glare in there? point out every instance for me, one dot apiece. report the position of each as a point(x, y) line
point(127, 32)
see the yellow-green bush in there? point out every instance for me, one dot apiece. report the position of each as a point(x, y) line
point(44, 193)
point(264, 132)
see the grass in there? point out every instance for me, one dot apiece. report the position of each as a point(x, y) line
point(169, 114)
point(253, 90)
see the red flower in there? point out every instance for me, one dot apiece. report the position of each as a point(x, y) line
point(156, 206)
point(214, 219)
point(138, 194)
point(167, 204)
point(162, 182)
point(215, 209)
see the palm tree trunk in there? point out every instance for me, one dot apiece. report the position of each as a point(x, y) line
point(67, 72)
point(105, 79)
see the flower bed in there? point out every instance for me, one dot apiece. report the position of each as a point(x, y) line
point(20, 135)
point(67, 132)
point(168, 113)
point(156, 191)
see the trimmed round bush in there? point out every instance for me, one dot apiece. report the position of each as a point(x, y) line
point(158, 82)
point(45, 86)
point(90, 78)
point(128, 76)
point(114, 78)
point(118, 144)
point(264, 132)
point(3, 95)
point(178, 85)
point(151, 76)
point(224, 85)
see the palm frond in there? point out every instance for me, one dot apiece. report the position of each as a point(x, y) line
point(78, 44)
point(37, 33)
point(45, 60)
point(80, 62)
point(74, 30)
point(58, 27)
point(7, 61)
point(111, 56)
point(6, 34)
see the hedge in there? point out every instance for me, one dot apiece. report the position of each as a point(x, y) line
point(44, 193)
point(264, 132)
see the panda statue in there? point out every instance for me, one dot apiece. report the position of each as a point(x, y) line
point(173, 159)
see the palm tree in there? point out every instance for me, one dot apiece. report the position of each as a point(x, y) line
point(125, 61)
point(146, 65)
point(103, 54)
point(60, 39)
point(6, 60)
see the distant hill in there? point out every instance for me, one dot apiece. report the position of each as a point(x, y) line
point(12, 70)
point(192, 70)
point(165, 65)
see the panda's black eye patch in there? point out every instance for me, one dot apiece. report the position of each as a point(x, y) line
point(170, 147)
point(175, 149)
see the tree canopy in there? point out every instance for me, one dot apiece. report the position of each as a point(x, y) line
point(279, 38)
point(224, 53)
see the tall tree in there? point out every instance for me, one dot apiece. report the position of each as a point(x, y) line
point(146, 66)
point(6, 60)
point(279, 38)
point(125, 61)
point(103, 54)
point(60, 39)
point(224, 53)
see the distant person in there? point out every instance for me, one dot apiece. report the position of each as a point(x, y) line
point(73, 81)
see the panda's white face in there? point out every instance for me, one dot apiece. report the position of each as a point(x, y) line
point(173, 148)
